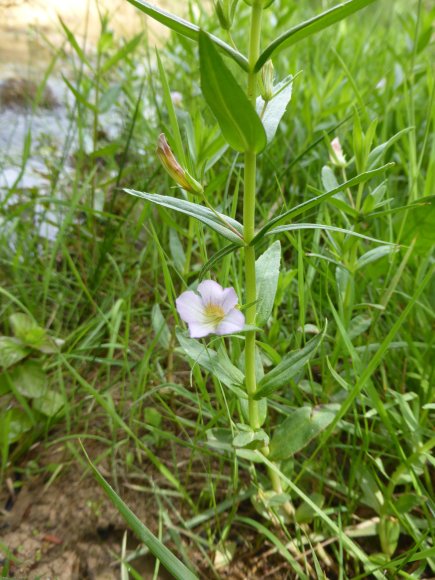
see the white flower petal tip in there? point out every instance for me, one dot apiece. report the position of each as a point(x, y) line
point(337, 157)
point(211, 311)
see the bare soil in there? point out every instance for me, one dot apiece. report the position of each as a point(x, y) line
point(67, 529)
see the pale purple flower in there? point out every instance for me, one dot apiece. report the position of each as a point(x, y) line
point(213, 311)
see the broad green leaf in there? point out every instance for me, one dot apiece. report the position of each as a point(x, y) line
point(299, 428)
point(11, 351)
point(267, 274)
point(22, 324)
point(251, 439)
point(288, 368)
point(220, 438)
point(172, 564)
point(310, 203)
point(33, 335)
point(297, 227)
point(17, 423)
point(224, 225)
point(239, 122)
point(185, 28)
point(49, 404)
point(272, 112)
point(215, 363)
point(309, 27)
point(375, 254)
point(29, 379)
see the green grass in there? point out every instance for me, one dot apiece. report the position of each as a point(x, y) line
point(107, 286)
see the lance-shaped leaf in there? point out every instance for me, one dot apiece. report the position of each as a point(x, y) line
point(267, 274)
point(374, 255)
point(271, 112)
point(310, 203)
point(326, 228)
point(299, 428)
point(239, 122)
point(311, 26)
point(186, 28)
point(216, 363)
point(378, 152)
point(288, 368)
point(224, 225)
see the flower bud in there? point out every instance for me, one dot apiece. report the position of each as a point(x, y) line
point(225, 12)
point(336, 156)
point(389, 531)
point(267, 77)
point(178, 174)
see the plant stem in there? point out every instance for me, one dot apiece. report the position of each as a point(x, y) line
point(249, 232)
point(249, 223)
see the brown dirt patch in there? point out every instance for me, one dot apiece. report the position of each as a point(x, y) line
point(67, 530)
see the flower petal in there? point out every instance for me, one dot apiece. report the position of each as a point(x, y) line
point(190, 307)
point(230, 299)
point(199, 330)
point(234, 321)
point(211, 292)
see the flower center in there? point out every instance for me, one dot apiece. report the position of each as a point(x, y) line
point(214, 313)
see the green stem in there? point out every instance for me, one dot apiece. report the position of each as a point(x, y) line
point(249, 223)
point(249, 232)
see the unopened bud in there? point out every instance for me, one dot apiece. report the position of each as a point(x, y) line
point(267, 77)
point(175, 170)
point(225, 10)
point(389, 532)
point(336, 156)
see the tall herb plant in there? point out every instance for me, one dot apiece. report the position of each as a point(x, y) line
point(248, 119)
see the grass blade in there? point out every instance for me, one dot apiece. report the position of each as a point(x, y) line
point(160, 551)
